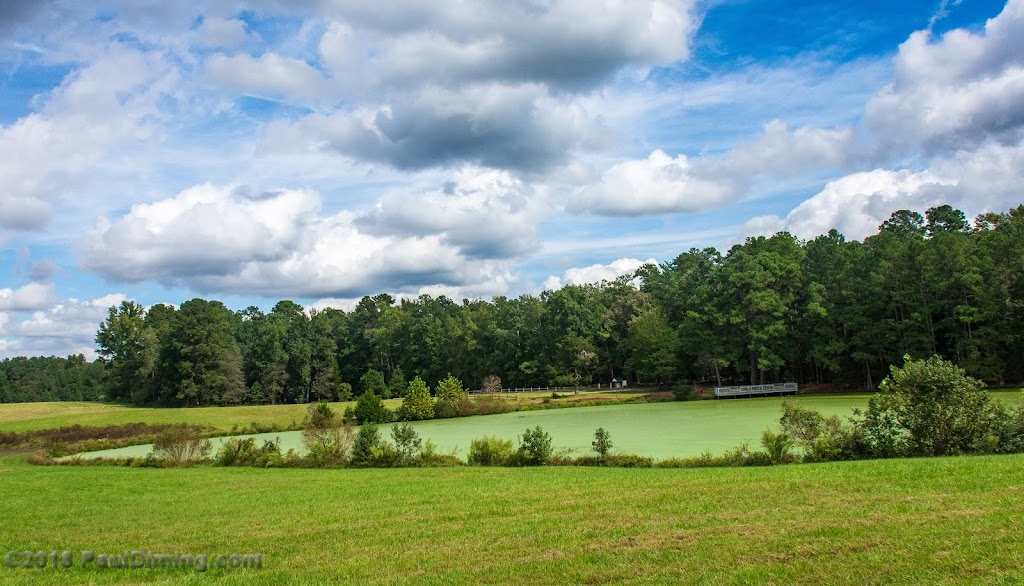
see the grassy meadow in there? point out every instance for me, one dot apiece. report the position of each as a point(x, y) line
point(911, 521)
point(22, 417)
point(923, 521)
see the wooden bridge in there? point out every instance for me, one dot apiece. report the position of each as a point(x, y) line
point(756, 390)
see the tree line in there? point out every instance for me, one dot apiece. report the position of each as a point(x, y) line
point(828, 310)
point(39, 378)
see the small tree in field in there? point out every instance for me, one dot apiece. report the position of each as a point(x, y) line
point(492, 384)
point(452, 400)
point(534, 447)
point(407, 443)
point(602, 443)
point(370, 409)
point(343, 392)
point(417, 403)
point(326, 439)
point(367, 442)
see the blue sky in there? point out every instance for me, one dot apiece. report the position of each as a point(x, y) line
point(321, 150)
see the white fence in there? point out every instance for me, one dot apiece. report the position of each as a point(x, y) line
point(534, 390)
point(751, 390)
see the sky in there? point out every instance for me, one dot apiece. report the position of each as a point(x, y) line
point(321, 150)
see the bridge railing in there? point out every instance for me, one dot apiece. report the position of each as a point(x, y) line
point(742, 391)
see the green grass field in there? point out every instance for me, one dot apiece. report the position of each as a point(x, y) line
point(658, 430)
point(22, 417)
point(929, 521)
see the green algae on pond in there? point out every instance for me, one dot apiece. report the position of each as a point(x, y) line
point(658, 430)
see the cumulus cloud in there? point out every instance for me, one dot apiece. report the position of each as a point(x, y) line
point(595, 273)
point(657, 184)
point(856, 204)
point(269, 75)
point(498, 284)
point(519, 127)
point(60, 329)
point(26, 298)
point(485, 213)
point(954, 92)
point(203, 230)
point(661, 184)
point(277, 244)
point(16, 13)
point(410, 42)
point(988, 179)
point(96, 108)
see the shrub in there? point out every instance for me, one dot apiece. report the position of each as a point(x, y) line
point(628, 461)
point(1007, 429)
point(602, 443)
point(343, 392)
point(326, 437)
point(321, 416)
point(181, 445)
point(417, 403)
point(683, 390)
point(778, 446)
point(407, 443)
point(452, 399)
point(490, 404)
point(370, 409)
point(373, 382)
point(429, 456)
point(824, 439)
point(490, 451)
point(244, 452)
point(384, 455)
point(534, 447)
point(366, 441)
point(930, 408)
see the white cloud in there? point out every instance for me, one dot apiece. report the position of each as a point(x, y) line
point(595, 273)
point(96, 108)
point(988, 179)
point(277, 244)
point(856, 204)
point(203, 230)
point(64, 328)
point(26, 298)
point(484, 212)
point(217, 31)
point(954, 92)
point(269, 75)
point(657, 184)
point(660, 184)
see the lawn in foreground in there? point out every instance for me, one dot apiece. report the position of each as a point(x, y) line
point(658, 430)
point(925, 521)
